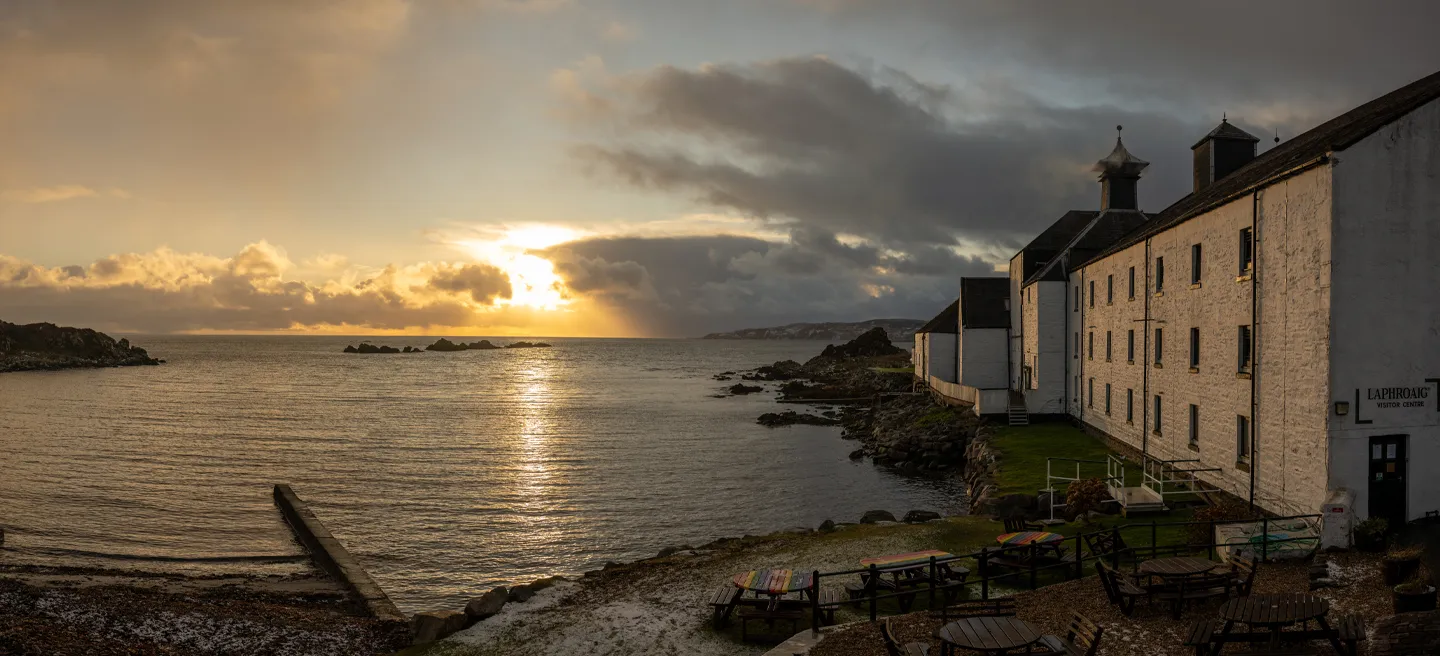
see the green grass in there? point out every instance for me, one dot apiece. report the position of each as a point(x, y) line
point(940, 415)
point(1023, 450)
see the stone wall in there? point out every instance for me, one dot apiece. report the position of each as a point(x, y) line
point(1407, 634)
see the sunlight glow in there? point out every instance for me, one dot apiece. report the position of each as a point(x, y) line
point(533, 279)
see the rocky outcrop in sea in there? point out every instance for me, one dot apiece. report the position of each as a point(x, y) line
point(46, 346)
point(368, 348)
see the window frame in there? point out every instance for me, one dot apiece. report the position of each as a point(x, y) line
point(1160, 275)
point(1107, 345)
point(1247, 252)
point(1197, 256)
point(1243, 436)
point(1107, 399)
point(1109, 289)
point(1092, 293)
point(1130, 405)
point(1194, 347)
point(1194, 425)
point(1132, 283)
point(1244, 349)
point(1090, 393)
point(1158, 415)
point(1130, 347)
point(1090, 351)
point(1159, 346)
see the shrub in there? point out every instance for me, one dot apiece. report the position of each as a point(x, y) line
point(1417, 584)
point(1085, 496)
point(1225, 510)
point(1412, 552)
point(1370, 534)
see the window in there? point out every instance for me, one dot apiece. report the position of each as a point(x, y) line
point(1159, 275)
point(1107, 346)
point(1194, 348)
point(1107, 399)
point(1129, 406)
point(1194, 425)
point(1195, 264)
point(1077, 346)
point(1109, 289)
point(1242, 438)
point(1157, 414)
point(1130, 345)
point(1091, 392)
point(1159, 345)
point(1077, 299)
point(1247, 251)
point(1092, 345)
point(1242, 349)
point(1132, 283)
point(1092, 293)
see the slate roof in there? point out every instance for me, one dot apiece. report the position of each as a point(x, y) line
point(1226, 131)
point(1300, 152)
point(1109, 226)
point(982, 302)
point(1061, 231)
point(948, 321)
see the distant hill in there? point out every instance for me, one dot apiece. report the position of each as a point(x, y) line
point(901, 331)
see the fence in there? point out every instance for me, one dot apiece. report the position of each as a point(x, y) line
point(1028, 564)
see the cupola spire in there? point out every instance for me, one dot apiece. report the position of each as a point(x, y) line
point(1120, 177)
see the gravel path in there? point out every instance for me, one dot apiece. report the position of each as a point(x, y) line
point(1149, 632)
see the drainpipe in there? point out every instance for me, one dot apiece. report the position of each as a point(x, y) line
point(1145, 364)
point(1084, 341)
point(1254, 334)
point(1065, 307)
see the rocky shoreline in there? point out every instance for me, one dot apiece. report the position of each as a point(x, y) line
point(48, 347)
point(896, 426)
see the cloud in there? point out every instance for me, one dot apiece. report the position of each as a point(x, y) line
point(164, 291)
point(618, 32)
point(56, 193)
point(483, 282)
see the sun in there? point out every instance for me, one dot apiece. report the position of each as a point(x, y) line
point(533, 281)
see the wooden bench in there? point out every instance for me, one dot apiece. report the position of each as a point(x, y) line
point(722, 600)
point(1002, 607)
point(1352, 631)
point(830, 600)
point(1195, 588)
point(1083, 638)
point(1199, 636)
point(1244, 569)
point(770, 614)
point(1119, 589)
point(893, 646)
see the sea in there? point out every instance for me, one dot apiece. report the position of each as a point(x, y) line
point(446, 474)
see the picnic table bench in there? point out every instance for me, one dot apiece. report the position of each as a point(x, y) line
point(1273, 612)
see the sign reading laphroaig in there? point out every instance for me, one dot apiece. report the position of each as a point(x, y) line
point(1407, 397)
point(1397, 397)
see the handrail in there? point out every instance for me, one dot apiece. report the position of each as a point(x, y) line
point(986, 574)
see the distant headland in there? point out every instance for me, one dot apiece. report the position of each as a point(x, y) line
point(46, 346)
point(442, 345)
point(902, 330)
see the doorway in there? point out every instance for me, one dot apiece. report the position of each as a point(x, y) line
point(1387, 479)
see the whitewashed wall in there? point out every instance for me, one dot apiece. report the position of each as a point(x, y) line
point(1385, 308)
point(942, 356)
point(984, 359)
point(1293, 259)
point(1044, 347)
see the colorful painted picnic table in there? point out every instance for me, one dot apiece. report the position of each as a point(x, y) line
point(1022, 538)
point(773, 582)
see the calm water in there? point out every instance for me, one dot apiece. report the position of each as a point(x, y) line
point(444, 473)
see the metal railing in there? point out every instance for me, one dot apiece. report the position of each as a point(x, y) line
point(1024, 562)
point(1051, 477)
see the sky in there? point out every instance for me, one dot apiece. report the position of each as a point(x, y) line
point(610, 167)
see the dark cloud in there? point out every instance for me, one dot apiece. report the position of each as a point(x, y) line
point(694, 285)
point(482, 282)
point(883, 157)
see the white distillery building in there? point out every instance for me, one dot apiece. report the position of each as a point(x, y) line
point(1276, 328)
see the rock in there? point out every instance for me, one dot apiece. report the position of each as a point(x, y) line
point(667, 552)
point(796, 530)
point(790, 418)
point(857, 454)
point(528, 345)
point(443, 344)
point(782, 370)
point(482, 345)
point(872, 343)
point(487, 604)
point(45, 346)
point(826, 526)
point(351, 349)
point(521, 593)
point(920, 516)
point(742, 388)
point(436, 625)
point(873, 516)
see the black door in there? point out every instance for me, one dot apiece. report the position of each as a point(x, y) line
point(1387, 478)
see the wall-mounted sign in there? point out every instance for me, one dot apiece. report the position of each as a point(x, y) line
point(1383, 400)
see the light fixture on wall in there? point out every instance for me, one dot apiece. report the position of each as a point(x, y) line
point(1342, 407)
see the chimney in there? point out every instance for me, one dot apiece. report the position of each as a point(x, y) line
point(1221, 152)
point(1120, 178)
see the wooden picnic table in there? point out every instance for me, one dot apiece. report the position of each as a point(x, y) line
point(912, 569)
point(1274, 612)
point(1021, 538)
point(1181, 566)
point(987, 635)
point(774, 582)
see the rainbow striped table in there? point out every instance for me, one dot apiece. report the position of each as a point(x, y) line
point(773, 582)
point(1023, 538)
